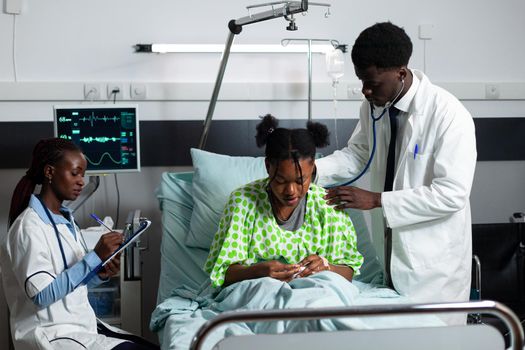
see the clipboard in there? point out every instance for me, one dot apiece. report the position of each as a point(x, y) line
point(143, 226)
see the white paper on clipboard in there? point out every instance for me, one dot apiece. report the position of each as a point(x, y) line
point(144, 225)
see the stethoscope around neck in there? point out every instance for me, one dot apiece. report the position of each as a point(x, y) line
point(61, 246)
point(374, 137)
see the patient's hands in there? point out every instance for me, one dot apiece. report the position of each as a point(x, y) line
point(313, 264)
point(284, 272)
point(272, 268)
point(277, 270)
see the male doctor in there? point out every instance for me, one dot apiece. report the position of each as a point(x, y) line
point(420, 176)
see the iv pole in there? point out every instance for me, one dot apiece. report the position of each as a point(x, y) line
point(334, 43)
point(287, 11)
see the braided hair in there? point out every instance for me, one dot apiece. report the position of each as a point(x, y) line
point(46, 152)
point(296, 144)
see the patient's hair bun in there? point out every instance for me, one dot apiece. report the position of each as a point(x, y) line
point(265, 128)
point(319, 132)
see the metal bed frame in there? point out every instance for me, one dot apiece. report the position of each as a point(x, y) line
point(482, 307)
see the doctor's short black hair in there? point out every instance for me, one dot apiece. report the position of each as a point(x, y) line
point(383, 45)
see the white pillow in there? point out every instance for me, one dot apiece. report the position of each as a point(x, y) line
point(215, 177)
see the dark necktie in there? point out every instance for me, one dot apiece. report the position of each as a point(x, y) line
point(391, 160)
point(389, 183)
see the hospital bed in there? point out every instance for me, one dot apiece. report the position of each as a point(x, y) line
point(472, 337)
point(191, 202)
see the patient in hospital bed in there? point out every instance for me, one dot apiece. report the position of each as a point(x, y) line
point(280, 226)
point(276, 245)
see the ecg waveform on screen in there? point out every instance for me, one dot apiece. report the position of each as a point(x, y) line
point(99, 139)
point(102, 158)
point(107, 136)
point(92, 118)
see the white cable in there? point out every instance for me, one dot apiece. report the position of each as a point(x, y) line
point(334, 85)
point(91, 95)
point(425, 56)
point(14, 49)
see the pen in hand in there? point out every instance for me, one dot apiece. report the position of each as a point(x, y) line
point(97, 219)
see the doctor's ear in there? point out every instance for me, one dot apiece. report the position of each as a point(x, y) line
point(49, 170)
point(403, 72)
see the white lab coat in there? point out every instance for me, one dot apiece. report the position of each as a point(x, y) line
point(30, 258)
point(428, 210)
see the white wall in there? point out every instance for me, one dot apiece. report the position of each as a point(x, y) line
point(68, 40)
point(62, 44)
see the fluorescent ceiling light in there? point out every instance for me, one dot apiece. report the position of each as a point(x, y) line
point(210, 48)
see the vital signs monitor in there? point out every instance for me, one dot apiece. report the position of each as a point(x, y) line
point(107, 134)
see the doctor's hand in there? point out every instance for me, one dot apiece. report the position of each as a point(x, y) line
point(108, 243)
point(111, 268)
point(352, 197)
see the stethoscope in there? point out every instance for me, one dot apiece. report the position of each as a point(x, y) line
point(374, 121)
point(57, 233)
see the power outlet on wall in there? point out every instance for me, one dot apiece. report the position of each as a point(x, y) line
point(353, 91)
point(92, 91)
point(426, 31)
point(138, 91)
point(115, 91)
point(13, 7)
point(492, 91)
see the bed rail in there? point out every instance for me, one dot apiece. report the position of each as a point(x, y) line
point(484, 307)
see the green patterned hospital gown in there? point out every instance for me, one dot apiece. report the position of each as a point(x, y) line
point(248, 233)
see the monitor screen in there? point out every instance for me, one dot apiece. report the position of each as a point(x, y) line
point(107, 134)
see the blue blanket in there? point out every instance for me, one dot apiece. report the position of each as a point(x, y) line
point(180, 316)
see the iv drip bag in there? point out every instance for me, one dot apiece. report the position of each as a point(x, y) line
point(335, 64)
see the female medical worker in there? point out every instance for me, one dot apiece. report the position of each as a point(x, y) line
point(425, 204)
point(44, 257)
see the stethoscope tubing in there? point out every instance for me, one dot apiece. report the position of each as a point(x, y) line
point(57, 233)
point(374, 121)
point(374, 142)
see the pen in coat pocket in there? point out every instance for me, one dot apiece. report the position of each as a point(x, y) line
point(415, 151)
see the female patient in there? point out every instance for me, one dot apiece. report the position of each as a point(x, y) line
point(280, 226)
